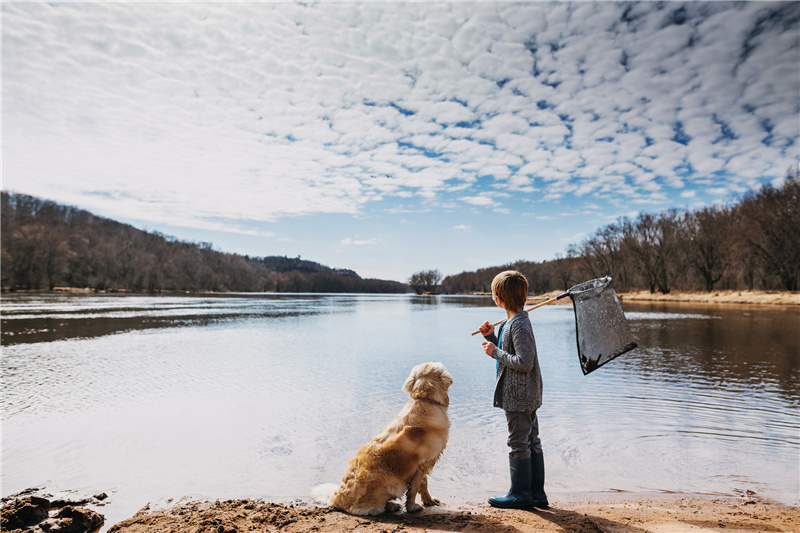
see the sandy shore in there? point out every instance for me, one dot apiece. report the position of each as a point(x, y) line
point(780, 298)
point(617, 513)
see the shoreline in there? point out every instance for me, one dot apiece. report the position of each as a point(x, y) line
point(722, 297)
point(582, 513)
point(579, 512)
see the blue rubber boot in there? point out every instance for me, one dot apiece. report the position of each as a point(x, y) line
point(537, 481)
point(519, 496)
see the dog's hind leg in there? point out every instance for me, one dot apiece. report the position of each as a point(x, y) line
point(392, 507)
point(427, 499)
point(411, 492)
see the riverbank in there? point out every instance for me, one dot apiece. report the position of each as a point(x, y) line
point(715, 297)
point(615, 512)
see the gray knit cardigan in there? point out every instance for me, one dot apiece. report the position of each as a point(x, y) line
point(519, 380)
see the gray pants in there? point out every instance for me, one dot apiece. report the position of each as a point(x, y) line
point(523, 433)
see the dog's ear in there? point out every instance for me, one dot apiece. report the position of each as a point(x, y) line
point(408, 386)
point(447, 378)
point(422, 381)
point(418, 381)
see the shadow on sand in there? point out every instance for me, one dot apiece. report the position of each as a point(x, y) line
point(583, 523)
point(441, 520)
point(507, 521)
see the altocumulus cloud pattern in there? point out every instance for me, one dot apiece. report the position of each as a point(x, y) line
point(216, 116)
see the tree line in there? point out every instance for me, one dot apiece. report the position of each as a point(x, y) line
point(47, 245)
point(752, 244)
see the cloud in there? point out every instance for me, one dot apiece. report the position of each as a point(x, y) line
point(461, 227)
point(222, 115)
point(575, 238)
point(718, 191)
point(359, 242)
point(480, 201)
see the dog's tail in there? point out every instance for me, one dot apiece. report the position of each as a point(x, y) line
point(322, 493)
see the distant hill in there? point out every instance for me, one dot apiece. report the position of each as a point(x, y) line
point(278, 263)
point(47, 245)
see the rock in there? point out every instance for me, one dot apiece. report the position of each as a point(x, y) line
point(27, 492)
point(59, 503)
point(72, 520)
point(32, 515)
point(24, 512)
point(74, 500)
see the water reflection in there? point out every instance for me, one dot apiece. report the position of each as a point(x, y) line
point(722, 347)
point(450, 300)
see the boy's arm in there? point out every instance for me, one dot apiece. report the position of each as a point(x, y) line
point(524, 347)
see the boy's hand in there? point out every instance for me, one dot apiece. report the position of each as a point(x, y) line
point(486, 329)
point(488, 347)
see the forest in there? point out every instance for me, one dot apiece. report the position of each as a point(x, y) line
point(752, 244)
point(47, 245)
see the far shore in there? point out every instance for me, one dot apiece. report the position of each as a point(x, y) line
point(746, 297)
point(780, 298)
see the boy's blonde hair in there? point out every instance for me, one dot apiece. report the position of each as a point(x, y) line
point(512, 288)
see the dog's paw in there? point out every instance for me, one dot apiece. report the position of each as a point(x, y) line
point(413, 508)
point(393, 507)
point(431, 501)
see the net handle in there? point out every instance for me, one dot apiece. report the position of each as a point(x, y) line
point(537, 306)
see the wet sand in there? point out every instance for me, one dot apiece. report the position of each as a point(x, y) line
point(614, 512)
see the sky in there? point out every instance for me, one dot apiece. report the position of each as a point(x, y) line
point(391, 138)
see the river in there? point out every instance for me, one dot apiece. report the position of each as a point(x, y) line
point(148, 398)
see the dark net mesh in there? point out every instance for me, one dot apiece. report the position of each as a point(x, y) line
point(602, 331)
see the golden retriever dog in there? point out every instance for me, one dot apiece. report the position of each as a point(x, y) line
point(399, 459)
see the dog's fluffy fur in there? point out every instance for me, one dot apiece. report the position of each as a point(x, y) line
point(400, 458)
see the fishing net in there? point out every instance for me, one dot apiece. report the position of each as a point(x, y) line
point(602, 330)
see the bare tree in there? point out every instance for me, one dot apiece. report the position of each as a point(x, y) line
point(640, 241)
point(563, 268)
point(425, 281)
point(772, 229)
point(670, 258)
point(603, 253)
point(708, 243)
point(654, 244)
point(37, 255)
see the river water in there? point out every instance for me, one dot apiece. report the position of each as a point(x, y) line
point(149, 398)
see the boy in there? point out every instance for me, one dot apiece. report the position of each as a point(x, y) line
point(518, 391)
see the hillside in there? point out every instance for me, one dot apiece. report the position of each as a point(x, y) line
point(47, 245)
